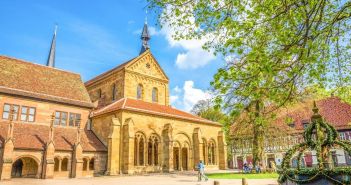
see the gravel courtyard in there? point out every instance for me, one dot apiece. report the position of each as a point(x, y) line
point(162, 179)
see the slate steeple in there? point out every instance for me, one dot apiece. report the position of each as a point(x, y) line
point(51, 58)
point(145, 37)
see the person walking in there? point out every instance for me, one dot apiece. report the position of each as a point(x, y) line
point(201, 174)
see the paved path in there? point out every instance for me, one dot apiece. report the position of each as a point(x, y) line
point(157, 179)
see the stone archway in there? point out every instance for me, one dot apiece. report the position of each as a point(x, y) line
point(185, 158)
point(176, 156)
point(25, 167)
point(182, 152)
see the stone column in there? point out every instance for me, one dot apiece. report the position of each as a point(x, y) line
point(198, 153)
point(77, 162)
point(77, 157)
point(7, 151)
point(6, 161)
point(128, 147)
point(49, 163)
point(222, 151)
point(113, 158)
point(167, 145)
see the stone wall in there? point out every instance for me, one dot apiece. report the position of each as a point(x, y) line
point(106, 87)
point(44, 109)
point(187, 136)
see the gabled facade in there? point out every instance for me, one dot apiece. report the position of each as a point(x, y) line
point(121, 81)
point(143, 133)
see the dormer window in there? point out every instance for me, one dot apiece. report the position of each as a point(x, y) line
point(154, 94)
point(140, 92)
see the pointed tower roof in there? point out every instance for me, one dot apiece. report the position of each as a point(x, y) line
point(145, 37)
point(51, 58)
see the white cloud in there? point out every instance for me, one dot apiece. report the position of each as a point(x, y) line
point(177, 89)
point(174, 99)
point(190, 96)
point(153, 31)
point(194, 55)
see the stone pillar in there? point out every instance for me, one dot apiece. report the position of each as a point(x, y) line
point(7, 151)
point(77, 157)
point(198, 150)
point(6, 161)
point(128, 146)
point(167, 145)
point(77, 161)
point(113, 147)
point(222, 151)
point(49, 153)
point(49, 163)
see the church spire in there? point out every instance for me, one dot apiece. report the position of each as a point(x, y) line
point(145, 37)
point(51, 58)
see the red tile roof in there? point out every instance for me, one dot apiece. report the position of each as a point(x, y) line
point(150, 108)
point(332, 109)
point(23, 78)
point(31, 136)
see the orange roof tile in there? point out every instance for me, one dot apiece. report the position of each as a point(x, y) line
point(150, 108)
point(332, 109)
point(23, 78)
point(31, 136)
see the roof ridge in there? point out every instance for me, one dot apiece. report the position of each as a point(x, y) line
point(109, 105)
point(124, 64)
point(41, 65)
point(124, 103)
point(98, 77)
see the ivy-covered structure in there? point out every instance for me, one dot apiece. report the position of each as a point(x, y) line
point(320, 137)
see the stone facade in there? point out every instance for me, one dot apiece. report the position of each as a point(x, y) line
point(140, 134)
point(32, 144)
point(46, 161)
point(125, 123)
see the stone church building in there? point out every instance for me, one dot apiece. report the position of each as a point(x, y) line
point(120, 122)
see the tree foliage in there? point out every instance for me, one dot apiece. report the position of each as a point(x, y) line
point(276, 49)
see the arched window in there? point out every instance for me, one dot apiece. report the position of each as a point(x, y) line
point(153, 150)
point(139, 145)
point(114, 92)
point(140, 92)
point(64, 164)
point(154, 94)
point(85, 164)
point(91, 164)
point(211, 152)
point(56, 164)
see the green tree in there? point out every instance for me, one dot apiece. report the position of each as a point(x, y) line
point(277, 48)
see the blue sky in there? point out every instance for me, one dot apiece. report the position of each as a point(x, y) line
point(94, 36)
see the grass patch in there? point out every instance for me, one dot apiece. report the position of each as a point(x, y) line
point(243, 175)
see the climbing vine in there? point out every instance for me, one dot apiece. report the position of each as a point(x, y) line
point(320, 137)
